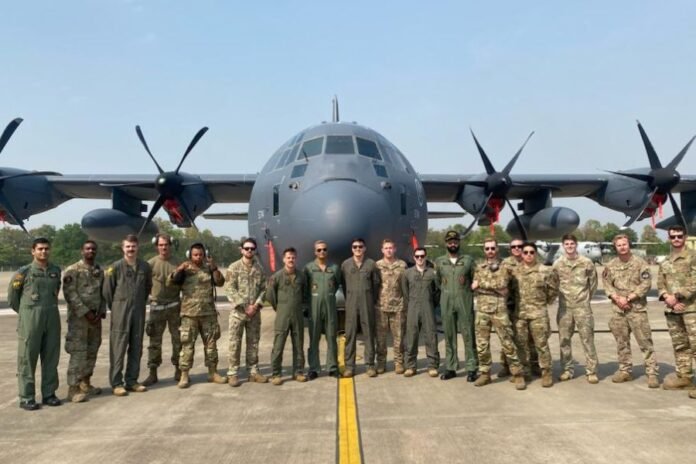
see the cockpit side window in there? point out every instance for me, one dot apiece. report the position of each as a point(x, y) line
point(311, 148)
point(298, 170)
point(339, 145)
point(368, 148)
point(282, 161)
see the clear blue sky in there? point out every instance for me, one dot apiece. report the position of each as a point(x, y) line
point(83, 73)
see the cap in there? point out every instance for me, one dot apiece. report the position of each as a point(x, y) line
point(451, 235)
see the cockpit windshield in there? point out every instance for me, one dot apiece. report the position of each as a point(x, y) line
point(339, 145)
point(311, 148)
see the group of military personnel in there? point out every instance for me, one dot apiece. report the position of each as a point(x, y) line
point(382, 298)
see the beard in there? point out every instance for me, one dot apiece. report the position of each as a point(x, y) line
point(453, 248)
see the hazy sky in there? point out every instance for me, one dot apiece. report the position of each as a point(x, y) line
point(83, 73)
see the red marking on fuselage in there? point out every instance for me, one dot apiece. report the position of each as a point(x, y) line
point(172, 208)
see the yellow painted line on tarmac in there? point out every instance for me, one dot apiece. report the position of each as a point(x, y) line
point(348, 444)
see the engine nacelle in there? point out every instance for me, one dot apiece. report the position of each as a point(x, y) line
point(472, 199)
point(112, 225)
point(623, 194)
point(546, 224)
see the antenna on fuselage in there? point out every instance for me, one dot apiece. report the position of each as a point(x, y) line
point(334, 103)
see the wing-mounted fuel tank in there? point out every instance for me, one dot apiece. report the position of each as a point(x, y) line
point(112, 224)
point(541, 220)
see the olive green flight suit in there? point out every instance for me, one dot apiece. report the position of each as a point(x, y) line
point(125, 291)
point(33, 293)
point(457, 309)
point(289, 297)
point(323, 285)
point(420, 291)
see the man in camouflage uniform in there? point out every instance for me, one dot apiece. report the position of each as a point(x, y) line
point(577, 282)
point(537, 288)
point(627, 280)
point(198, 278)
point(33, 294)
point(288, 293)
point(82, 284)
point(164, 309)
point(323, 279)
point(360, 281)
point(127, 284)
point(391, 311)
point(455, 272)
point(491, 286)
point(676, 285)
point(420, 291)
point(245, 286)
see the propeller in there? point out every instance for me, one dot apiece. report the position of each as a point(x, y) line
point(169, 184)
point(660, 180)
point(496, 186)
point(4, 202)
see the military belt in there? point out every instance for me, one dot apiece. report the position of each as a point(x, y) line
point(161, 307)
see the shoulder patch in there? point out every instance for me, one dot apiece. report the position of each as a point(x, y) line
point(645, 275)
point(17, 284)
point(109, 270)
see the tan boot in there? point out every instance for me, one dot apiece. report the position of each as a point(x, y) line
point(371, 372)
point(399, 368)
point(257, 377)
point(653, 381)
point(152, 378)
point(177, 373)
point(277, 380)
point(621, 377)
point(565, 376)
point(87, 387)
point(381, 368)
point(300, 377)
point(432, 372)
point(233, 381)
point(120, 391)
point(184, 382)
point(136, 388)
point(520, 383)
point(76, 395)
point(484, 379)
point(692, 394)
point(676, 382)
point(214, 377)
point(592, 379)
point(546, 379)
point(409, 372)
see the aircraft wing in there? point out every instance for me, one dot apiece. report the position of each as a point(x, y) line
point(224, 188)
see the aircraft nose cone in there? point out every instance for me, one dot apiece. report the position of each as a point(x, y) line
point(337, 212)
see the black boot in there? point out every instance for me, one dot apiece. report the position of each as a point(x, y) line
point(448, 375)
point(471, 376)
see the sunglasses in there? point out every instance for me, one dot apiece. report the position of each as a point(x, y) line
point(489, 248)
point(516, 247)
point(529, 252)
point(676, 237)
point(358, 247)
point(249, 249)
point(419, 256)
point(320, 250)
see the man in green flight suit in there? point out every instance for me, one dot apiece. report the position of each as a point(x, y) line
point(323, 279)
point(127, 283)
point(33, 293)
point(455, 274)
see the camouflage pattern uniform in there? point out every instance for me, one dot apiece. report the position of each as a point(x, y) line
point(361, 285)
point(492, 313)
point(420, 291)
point(82, 286)
point(323, 314)
point(391, 311)
point(537, 288)
point(677, 276)
point(125, 291)
point(289, 296)
point(244, 285)
point(198, 313)
point(621, 279)
point(457, 308)
point(165, 307)
point(511, 264)
point(577, 282)
point(33, 294)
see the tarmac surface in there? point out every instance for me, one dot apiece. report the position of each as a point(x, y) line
point(400, 420)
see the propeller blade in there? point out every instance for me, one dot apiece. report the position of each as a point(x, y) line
point(193, 143)
point(677, 212)
point(147, 149)
point(30, 174)
point(486, 162)
point(677, 159)
point(652, 155)
point(631, 175)
point(512, 162)
point(520, 227)
point(635, 217)
point(477, 216)
point(9, 130)
point(153, 211)
point(11, 212)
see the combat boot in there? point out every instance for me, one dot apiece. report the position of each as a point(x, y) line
point(87, 387)
point(565, 376)
point(399, 368)
point(257, 377)
point(546, 379)
point(520, 383)
point(184, 382)
point(152, 378)
point(214, 377)
point(676, 382)
point(120, 390)
point(233, 380)
point(348, 373)
point(593, 379)
point(653, 381)
point(371, 372)
point(621, 377)
point(484, 379)
point(432, 372)
point(409, 372)
point(76, 395)
point(177, 373)
point(381, 368)
point(692, 394)
point(277, 380)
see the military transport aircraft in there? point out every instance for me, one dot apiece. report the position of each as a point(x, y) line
point(339, 180)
